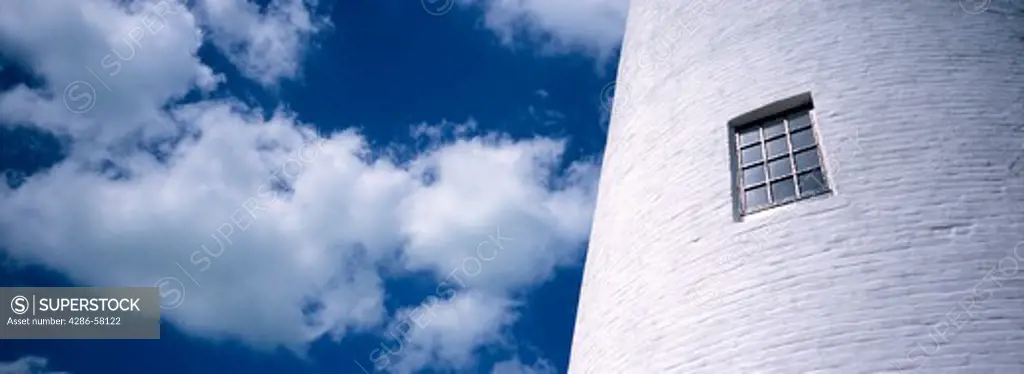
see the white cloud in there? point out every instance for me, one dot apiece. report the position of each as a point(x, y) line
point(444, 332)
point(284, 230)
point(27, 365)
point(116, 63)
point(496, 182)
point(319, 245)
point(266, 44)
point(515, 366)
point(590, 26)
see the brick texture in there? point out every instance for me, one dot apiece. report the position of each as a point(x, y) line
point(909, 265)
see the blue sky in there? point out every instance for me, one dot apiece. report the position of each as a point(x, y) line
point(347, 158)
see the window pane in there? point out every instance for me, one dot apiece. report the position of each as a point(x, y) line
point(807, 159)
point(750, 136)
point(779, 168)
point(799, 121)
point(750, 154)
point(773, 129)
point(753, 175)
point(777, 147)
point(756, 197)
point(783, 190)
point(812, 182)
point(802, 139)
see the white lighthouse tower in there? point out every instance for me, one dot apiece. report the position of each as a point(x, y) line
point(829, 186)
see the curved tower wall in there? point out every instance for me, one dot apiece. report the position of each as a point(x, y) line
point(909, 264)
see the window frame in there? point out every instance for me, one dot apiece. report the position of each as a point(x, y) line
point(766, 117)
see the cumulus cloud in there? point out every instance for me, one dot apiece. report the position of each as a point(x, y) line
point(515, 366)
point(27, 365)
point(443, 332)
point(258, 228)
point(269, 229)
point(109, 66)
point(266, 43)
point(590, 26)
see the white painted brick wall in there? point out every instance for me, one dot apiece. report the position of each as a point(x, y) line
point(921, 113)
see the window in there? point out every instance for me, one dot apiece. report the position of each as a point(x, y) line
point(776, 157)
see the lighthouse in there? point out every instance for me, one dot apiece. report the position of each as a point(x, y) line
point(831, 186)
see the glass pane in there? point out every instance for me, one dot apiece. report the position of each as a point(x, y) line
point(783, 190)
point(753, 175)
point(777, 147)
point(799, 121)
point(812, 182)
point(773, 129)
point(802, 139)
point(807, 159)
point(756, 197)
point(750, 154)
point(750, 136)
point(779, 168)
